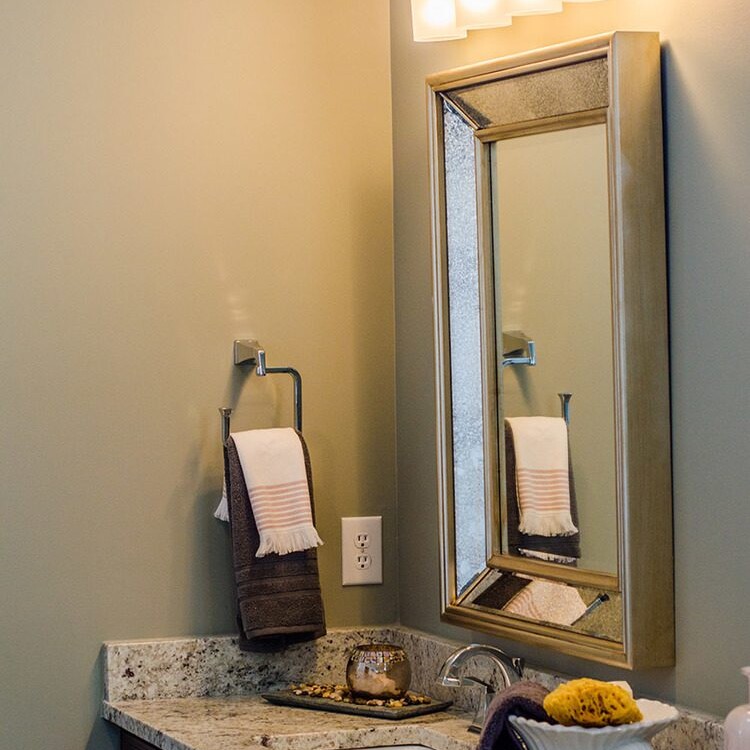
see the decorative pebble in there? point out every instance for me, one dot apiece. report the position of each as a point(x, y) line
point(342, 693)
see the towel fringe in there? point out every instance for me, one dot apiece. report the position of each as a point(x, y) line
point(289, 540)
point(548, 556)
point(547, 524)
point(222, 509)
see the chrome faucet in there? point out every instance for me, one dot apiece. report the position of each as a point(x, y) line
point(511, 669)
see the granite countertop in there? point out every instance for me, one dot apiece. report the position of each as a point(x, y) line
point(202, 693)
point(249, 722)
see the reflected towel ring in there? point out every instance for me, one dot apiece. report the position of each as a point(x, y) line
point(518, 349)
point(565, 406)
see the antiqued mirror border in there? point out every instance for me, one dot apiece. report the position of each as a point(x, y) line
point(645, 556)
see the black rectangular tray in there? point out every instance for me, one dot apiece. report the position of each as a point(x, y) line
point(288, 698)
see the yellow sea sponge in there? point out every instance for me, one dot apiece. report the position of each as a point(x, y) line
point(591, 703)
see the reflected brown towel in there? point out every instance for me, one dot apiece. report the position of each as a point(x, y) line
point(567, 546)
point(278, 596)
point(525, 698)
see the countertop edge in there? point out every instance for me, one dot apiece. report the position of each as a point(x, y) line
point(440, 734)
point(140, 728)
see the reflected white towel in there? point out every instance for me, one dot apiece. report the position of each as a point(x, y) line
point(542, 475)
point(273, 464)
point(548, 602)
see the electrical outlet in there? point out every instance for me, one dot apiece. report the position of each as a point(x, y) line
point(361, 550)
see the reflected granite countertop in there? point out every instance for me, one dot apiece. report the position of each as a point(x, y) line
point(242, 722)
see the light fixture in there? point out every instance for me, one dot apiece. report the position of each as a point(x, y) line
point(534, 7)
point(482, 14)
point(441, 20)
point(434, 21)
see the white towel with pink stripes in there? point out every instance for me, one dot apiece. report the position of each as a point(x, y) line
point(273, 463)
point(542, 475)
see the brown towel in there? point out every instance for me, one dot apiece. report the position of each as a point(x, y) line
point(525, 698)
point(566, 546)
point(278, 596)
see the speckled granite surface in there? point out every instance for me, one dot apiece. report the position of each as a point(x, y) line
point(201, 694)
point(194, 667)
point(241, 722)
point(692, 732)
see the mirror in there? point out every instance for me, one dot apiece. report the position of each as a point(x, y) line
point(550, 203)
point(552, 373)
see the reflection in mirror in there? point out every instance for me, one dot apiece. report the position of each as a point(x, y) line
point(586, 609)
point(550, 201)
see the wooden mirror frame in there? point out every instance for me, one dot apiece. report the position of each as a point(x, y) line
point(631, 109)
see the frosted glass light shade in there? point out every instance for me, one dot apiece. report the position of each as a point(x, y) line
point(435, 20)
point(482, 14)
point(533, 7)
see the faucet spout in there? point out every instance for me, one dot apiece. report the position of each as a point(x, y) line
point(510, 668)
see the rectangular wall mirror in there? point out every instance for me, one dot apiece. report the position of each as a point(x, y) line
point(551, 340)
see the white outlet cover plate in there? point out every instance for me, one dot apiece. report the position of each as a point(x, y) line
point(352, 573)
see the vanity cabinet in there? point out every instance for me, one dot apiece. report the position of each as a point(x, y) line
point(131, 742)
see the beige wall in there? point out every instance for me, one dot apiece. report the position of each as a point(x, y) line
point(706, 67)
point(174, 175)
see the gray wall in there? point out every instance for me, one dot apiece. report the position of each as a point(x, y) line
point(707, 98)
point(174, 175)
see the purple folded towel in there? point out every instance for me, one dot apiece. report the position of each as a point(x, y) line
point(523, 698)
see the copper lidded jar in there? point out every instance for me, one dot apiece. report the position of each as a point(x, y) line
point(378, 670)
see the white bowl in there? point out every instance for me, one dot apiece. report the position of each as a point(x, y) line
point(539, 735)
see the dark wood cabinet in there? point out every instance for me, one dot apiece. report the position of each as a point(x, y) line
point(131, 742)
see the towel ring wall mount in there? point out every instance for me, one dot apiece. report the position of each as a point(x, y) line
point(250, 352)
point(519, 349)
